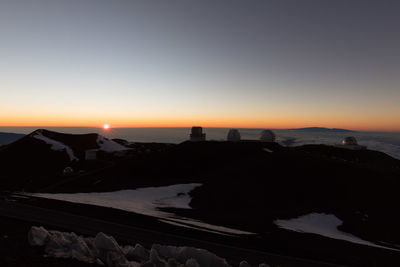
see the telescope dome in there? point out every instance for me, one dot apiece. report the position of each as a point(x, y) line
point(351, 140)
point(233, 135)
point(267, 136)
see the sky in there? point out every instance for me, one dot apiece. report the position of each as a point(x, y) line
point(262, 64)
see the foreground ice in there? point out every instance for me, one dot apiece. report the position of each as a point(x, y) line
point(147, 201)
point(104, 249)
point(55, 145)
point(324, 225)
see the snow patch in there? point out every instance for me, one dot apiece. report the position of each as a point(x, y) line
point(324, 225)
point(38, 236)
point(55, 145)
point(216, 228)
point(142, 200)
point(191, 227)
point(109, 145)
point(147, 201)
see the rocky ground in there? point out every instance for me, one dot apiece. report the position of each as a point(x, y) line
point(245, 185)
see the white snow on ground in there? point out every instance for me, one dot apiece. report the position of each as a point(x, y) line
point(324, 225)
point(145, 201)
point(105, 250)
point(218, 228)
point(109, 145)
point(190, 227)
point(268, 150)
point(55, 145)
point(142, 200)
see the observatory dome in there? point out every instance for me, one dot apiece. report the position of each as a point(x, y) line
point(351, 140)
point(267, 136)
point(233, 135)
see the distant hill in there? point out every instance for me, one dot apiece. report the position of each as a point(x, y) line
point(322, 129)
point(7, 138)
point(42, 155)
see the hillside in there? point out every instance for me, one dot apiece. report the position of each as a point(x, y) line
point(40, 157)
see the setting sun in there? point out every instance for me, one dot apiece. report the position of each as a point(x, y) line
point(106, 126)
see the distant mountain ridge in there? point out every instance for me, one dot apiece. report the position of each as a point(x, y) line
point(322, 129)
point(7, 138)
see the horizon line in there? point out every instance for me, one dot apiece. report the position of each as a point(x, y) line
point(212, 127)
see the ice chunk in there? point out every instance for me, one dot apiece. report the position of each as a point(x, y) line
point(116, 259)
point(38, 236)
point(104, 249)
point(69, 245)
point(137, 253)
point(106, 244)
point(156, 260)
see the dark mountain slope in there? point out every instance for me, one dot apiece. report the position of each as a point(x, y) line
point(40, 157)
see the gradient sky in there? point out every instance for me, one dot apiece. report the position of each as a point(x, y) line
point(264, 64)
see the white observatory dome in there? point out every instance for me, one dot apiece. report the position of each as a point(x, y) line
point(233, 135)
point(267, 136)
point(351, 140)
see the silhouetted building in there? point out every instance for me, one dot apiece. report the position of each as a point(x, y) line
point(351, 143)
point(233, 135)
point(267, 136)
point(197, 134)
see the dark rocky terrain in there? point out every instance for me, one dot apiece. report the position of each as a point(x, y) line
point(246, 185)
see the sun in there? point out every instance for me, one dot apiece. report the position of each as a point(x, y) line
point(106, 126)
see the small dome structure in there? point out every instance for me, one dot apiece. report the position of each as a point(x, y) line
point(350, 141)
point(267, 136)
point(233, 135)
point(68, 171)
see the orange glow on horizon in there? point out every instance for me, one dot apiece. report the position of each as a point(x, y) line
point(269, 122)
